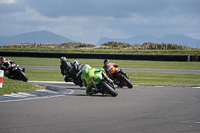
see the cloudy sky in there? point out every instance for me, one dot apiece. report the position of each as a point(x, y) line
point(89, 20)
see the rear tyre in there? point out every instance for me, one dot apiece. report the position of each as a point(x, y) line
point(109, 89)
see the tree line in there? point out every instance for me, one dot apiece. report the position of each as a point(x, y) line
point(107, 45)
point(42, 45)
point(145, 45)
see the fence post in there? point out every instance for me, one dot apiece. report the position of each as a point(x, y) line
point(188, 58)
point(1, 78)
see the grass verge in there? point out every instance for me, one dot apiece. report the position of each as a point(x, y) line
point(164, 79)
point(137, 78)
point(44, 75)
point(30, 61)
point(14, 86)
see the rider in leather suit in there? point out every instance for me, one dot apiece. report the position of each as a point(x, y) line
point(66, 67)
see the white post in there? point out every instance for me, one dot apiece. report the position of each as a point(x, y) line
point(1, 78)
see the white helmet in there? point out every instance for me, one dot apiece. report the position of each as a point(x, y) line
point(86, 66)
point(63, 59)
point(75, 62)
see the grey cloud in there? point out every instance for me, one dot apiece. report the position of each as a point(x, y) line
point(11, 8)
point(107, 8)
point(96, 18)
point(77, 8)
point(113, 8)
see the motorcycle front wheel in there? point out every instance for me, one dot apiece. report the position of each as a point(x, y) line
point(126, 82)
point(109, 89)
point(22, 76)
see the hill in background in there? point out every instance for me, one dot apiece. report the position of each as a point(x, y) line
point(46, 37)
point(34, 37)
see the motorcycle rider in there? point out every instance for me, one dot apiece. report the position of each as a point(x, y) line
point(12, 70)
point(66, 67)
point(111, 68)
point(87, 76)
point(6, 65)
point(76, 72)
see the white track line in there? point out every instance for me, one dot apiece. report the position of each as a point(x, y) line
point(38, 94)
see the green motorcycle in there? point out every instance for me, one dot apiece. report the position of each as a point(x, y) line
point(104, 84)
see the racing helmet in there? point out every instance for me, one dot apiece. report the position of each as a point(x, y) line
point(2, 59)
point(63, 59)
point(106, 61)
point(86, 66)
point(75, 62)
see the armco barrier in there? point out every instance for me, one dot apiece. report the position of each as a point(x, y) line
point(103, 56)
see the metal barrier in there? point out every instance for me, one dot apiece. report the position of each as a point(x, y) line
point(103, 56)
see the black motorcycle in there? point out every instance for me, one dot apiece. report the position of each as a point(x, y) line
point(75, 75)
point(16, 72)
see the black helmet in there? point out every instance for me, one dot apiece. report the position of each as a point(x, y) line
point(106, 60)
point(2, 58)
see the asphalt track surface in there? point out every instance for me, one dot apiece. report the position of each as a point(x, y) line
point(143, 109)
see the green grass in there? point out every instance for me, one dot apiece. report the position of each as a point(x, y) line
point(14, 86)
point(29, 61)
point(137, 78)
point(164, 79)
point(44, 75)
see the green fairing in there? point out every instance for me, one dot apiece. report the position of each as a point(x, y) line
point(97, 77)
point(87, 77)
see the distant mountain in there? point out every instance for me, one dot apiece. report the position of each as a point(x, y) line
point(34, 37)
point(170, 38)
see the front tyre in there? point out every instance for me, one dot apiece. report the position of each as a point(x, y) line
point(109, 89)
point(22, 76)
point(126, 82)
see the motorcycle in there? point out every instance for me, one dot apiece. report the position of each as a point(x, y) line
point(104, 84)
point(76, 75)
point(17, 73)
point(122, 79)
point(76, 79)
